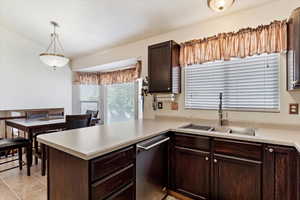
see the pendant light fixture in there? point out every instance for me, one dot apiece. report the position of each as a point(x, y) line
point(219, 5)
point(53, 56)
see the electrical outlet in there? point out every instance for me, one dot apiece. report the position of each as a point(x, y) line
point(174, 106)
point(294, 109)
point(160, 105)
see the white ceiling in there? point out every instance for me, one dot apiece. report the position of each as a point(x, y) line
point(90, 25)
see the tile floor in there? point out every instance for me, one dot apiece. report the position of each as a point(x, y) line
point(16, 185)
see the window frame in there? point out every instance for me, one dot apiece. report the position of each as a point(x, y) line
point(102, 101)
point(86, 101)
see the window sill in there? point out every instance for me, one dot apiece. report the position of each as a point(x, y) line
point(237, 110)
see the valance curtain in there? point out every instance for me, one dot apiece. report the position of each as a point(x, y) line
point(106, 78)
point(270, 38)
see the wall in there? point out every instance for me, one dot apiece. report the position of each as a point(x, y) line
point(276, 10)
point(25, 82)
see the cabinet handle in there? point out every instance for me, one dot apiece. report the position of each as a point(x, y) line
point(206, 158)
point(215, 160)
point(271, 150)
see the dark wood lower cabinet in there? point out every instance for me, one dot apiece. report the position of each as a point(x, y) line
point(109, 177)
point(127, 193)
point(236, 170)
point(298, 186)
point(191, 172)
point(280, 171)
point(211, 169)
point(68, 176)
point(236, 179)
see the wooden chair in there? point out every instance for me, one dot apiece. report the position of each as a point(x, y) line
point(78, 121)
point(94, 114)
point(13, 144)
point(72, 122)
point(42, 114)
point(37, 114)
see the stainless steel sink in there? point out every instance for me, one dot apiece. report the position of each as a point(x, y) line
point(223, 129)
point(242, 131)
point(198, 127)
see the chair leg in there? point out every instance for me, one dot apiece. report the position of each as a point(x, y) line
point(20, 158)
point(28, 159)
point(36, 148)
point(44, 157)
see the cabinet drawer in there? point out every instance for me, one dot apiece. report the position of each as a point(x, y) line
point(192, 141)
point(112, 183)
point(126, 193)
point(111, 163)
point(238, 149)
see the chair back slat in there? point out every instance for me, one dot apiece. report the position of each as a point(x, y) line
point(94, 113)
point(78, 121)
point(36, 114)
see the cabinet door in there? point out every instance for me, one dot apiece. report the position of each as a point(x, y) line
point(298, 186)
point(160, 67)
point(127, 193)
point(279, 173)
point(236, 179)
point(191, 172)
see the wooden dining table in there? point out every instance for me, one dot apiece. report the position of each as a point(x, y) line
point(32, 126)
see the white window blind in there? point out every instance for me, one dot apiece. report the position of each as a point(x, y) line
point(247, 84)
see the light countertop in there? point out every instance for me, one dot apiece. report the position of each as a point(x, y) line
point(91, 142)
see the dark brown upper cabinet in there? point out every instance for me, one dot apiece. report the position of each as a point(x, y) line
point(163, 68)
point(293, 56)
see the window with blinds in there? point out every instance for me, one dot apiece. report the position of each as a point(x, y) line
point(250, 83)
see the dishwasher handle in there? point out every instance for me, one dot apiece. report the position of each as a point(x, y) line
point(147, 148)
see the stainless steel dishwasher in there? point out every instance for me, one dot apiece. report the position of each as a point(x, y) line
point(152, 169)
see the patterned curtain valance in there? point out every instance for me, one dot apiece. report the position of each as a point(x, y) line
point(270, 38)
point(107, 78)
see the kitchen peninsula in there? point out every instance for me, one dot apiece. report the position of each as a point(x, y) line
point(101, 161)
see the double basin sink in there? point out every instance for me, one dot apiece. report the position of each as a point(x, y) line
point(228, 130)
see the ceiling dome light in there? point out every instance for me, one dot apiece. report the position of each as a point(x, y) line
point(219, 5)
point(54, 54)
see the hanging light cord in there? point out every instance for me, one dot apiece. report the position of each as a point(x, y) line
point(54, 40)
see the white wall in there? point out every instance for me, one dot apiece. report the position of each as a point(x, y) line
point(25, 82)
point(276, 10)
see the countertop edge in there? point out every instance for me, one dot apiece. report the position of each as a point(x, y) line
point(93, 155)
point(115, 147)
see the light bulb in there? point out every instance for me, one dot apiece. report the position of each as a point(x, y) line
point(219, 5)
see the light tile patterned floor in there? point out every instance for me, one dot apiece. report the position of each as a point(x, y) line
point(16, 185)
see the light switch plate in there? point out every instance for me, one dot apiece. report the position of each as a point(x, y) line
point(294, 109)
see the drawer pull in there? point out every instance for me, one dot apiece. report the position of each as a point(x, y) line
point(215, 160)
point(271, 150)
point(206, 158)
